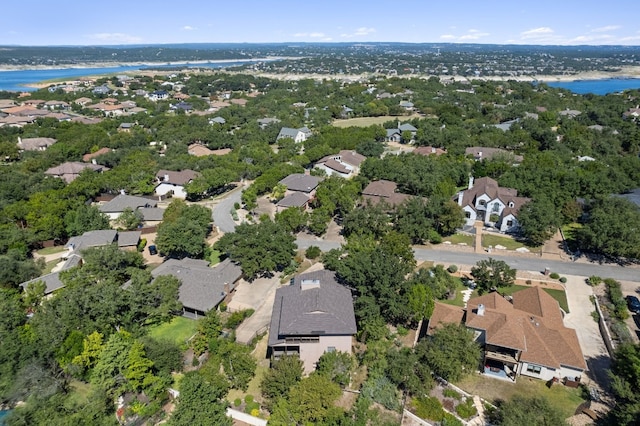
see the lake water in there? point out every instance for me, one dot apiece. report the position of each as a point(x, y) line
point(598, 87)
point(13, 80)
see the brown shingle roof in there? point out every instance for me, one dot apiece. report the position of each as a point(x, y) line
point(429, 150)
point(92, 155)
point(176, 178)
point(384, 191)
point(482, 152)
point(351, 158)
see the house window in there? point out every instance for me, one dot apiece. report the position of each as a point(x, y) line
point(482, 202)
point(305, 339)
point(467, 215)
point(535, 369)
point(510, 223)
point(511, 204)
point(331, 349)
point(496, 207)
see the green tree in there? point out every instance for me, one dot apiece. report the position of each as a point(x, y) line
point(278, 191)
point(209, 328)
point(534, 411)
point(200, 403)
point(292, 219)
point(451, 352)
point(625, 385)
point(492, 274)
point(284, 373)
point(421, 302)
point(311, 401)
point(181, 238)
point(85, 218)
point(260, 248)
point(539, 220)
point(130, 219)
point(336, 366)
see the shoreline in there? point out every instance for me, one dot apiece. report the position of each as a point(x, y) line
point(109, 64)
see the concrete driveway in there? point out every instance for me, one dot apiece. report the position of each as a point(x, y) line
point(222, 210)
point(258, 295)
point(579, 318)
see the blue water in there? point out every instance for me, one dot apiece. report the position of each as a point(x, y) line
point(3, 414)
point(13, 80)
point(599, 87)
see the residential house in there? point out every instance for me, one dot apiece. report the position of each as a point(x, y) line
point(126, 127)
point(71, 170)
point(311, 316)
point(158, 95)
point(173, 182)
point(522, 337)
point(181, 106)
point(101, 90)
point(98, 238)
point(35, 144)
point(295, 199)
point(486, 201)
point(344, 164)
point(52, 280)
point(429, 150)
point(571, 113)
point(298, 135)
point(56, 105)
point(264, 122)
point(406, 105)
point(299, 182)
point(395, 135)
point(384, 191)
point(202, 288)
point(129, 240)
point(217, 120)
point(506, 125)
point(151, 216)
point(480, 153)
point(632, 113)
point(116, 206)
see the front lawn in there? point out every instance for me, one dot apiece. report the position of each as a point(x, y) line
point(569, 232)
point(460, 238)
point(178, 330)
point(561, 397)
point(559, 295)
point(50, 250)
point(510, 244)
point(457, 301)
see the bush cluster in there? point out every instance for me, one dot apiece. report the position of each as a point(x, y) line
point(614, 292)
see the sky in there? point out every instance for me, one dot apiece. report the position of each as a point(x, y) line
point(116, 22)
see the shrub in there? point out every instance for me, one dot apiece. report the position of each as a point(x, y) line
point(554, 275)
point(528, 282)
point(429, 408)
point(223, 307)
point(594, 280)
point(255, 412)
point(614, 292)
point(381, 390)
point(252, 407)
point(450, 420)
point(466, 409)
point(452, 269)
point(236, 205)
point(236, 318)
point(248, 399)
point(237, 402)
point(434, 237)
point(563, 280)
point(450, 393)
point(313, 252)
point(142, 244)
point(402, 331)
point(595, 316)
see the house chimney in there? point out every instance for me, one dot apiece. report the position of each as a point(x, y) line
point(480, 311)
point(460, 195)
point(227, 288)
point(93, 161)
point(433, 149)
point(470, 182)
point(166, 177)
point(480, 155)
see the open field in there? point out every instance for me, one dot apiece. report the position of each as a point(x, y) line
point(50, 250)
point(178, 330)
point(561, 397)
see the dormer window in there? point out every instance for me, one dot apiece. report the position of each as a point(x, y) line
point(482, 202)
point(511, 204)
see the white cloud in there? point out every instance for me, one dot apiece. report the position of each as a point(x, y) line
point(537, 32)
point(189, 28)
point(471, 35)
point(362, 31)
point(310, 35)
point(606, 29)
point(115, 37)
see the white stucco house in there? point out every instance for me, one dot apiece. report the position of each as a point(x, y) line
point(486, 201)
point(174, 182)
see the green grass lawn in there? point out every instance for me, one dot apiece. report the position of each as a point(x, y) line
point(460, 238)
point(569, 232)
point(49, 266)
point(50, 250)
point(79, 392)
point(370, 121)
point(457, 301)
point(179, 329)
point(509, 243)
point(561, 397)
point(253, 389)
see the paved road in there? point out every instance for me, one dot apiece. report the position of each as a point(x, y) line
point(222, 211)
point(521, 263)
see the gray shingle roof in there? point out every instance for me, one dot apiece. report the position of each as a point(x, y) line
point(297, 199)
point(128, 238)
point(151, 214)
point(97, 238)
point(123, 201)
point(301, 182)
point(287, 132)
point(203, 288)
point(315, 304)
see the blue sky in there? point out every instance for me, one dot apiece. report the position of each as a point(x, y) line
point(89, 22)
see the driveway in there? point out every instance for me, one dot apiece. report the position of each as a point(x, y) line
point(258, 295)
point(222, 211)
point(579, 318)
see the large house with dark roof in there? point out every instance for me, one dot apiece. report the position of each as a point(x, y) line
point(116, 206)
point(311, 316)
point(202, 288)
point(69, 171)
point(298, 135)
point(345, 164)
point(486, 201)
point(522, 337)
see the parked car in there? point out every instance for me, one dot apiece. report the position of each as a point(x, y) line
point(633, 303)
point(153, 250)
